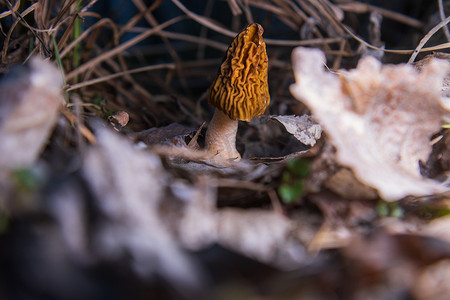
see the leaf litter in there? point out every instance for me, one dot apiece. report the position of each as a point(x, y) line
point(139, 203)
point(380, 118)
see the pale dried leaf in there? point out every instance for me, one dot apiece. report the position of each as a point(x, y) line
point(128, 185)
point(280, 137)
point(30, 99)
point(303, 128)
point(379, 118)
point(197, 225)
point(262, 235)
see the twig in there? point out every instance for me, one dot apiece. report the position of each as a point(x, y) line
point(85, 33)
point(204, 30)
point(275, 201)
point(11, 10)
point(303, 42)
point(204, 21)
point(248, 13)
point(153, 22)
point(365, 8)
point(97, 60)
point(235, 9)
point(427, 37)
point(442, 15)
point(20, 19)
point(408, 51)
point(119, 74)
point(207, 23)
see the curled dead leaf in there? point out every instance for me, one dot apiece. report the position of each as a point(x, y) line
point(119, 119)
point(303, 128)
point(127, 186)
point(379, 117)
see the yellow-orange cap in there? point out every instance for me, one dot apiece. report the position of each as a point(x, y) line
point(240, 89)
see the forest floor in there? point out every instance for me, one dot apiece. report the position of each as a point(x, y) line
point(108, 189)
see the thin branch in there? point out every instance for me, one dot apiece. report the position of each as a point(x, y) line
point(358, 7)
point(85, 33)
point(442, 15)
point(368, 45)
point(99, 59)
point(204, 21)
point(427, 37)
point(119, 74)
point(12, 10)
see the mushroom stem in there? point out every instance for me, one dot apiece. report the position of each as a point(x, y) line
point(221, 136)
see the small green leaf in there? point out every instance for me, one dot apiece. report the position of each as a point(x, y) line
point(26, 179)
point(397, 212)
point(291, 193)
point(389, 209)
point(382, 209)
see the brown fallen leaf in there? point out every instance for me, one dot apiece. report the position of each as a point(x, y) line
point(344, 183)
point(30, 99)
point(119, 119)
point(379, 117)
point(171, 135)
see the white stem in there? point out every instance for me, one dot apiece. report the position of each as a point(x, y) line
point(221, 136)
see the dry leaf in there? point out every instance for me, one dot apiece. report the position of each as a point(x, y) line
point(280, 137)
point(303, 128)
point(197, 224)
point(344, 184)
point(262, 235)
point(128, 185)
point(30, 99)
point(379, 118)
point(119, 119)
point(171, 135)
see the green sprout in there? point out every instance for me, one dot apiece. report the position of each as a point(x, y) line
point(293, 181)
point(434, 211)
point(26, 180)
point(389, 209)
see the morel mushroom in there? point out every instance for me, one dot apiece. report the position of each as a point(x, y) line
point(239, 91)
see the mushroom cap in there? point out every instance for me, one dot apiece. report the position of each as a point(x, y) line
point(240, 89)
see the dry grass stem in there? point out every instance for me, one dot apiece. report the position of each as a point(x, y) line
point(427, 37)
